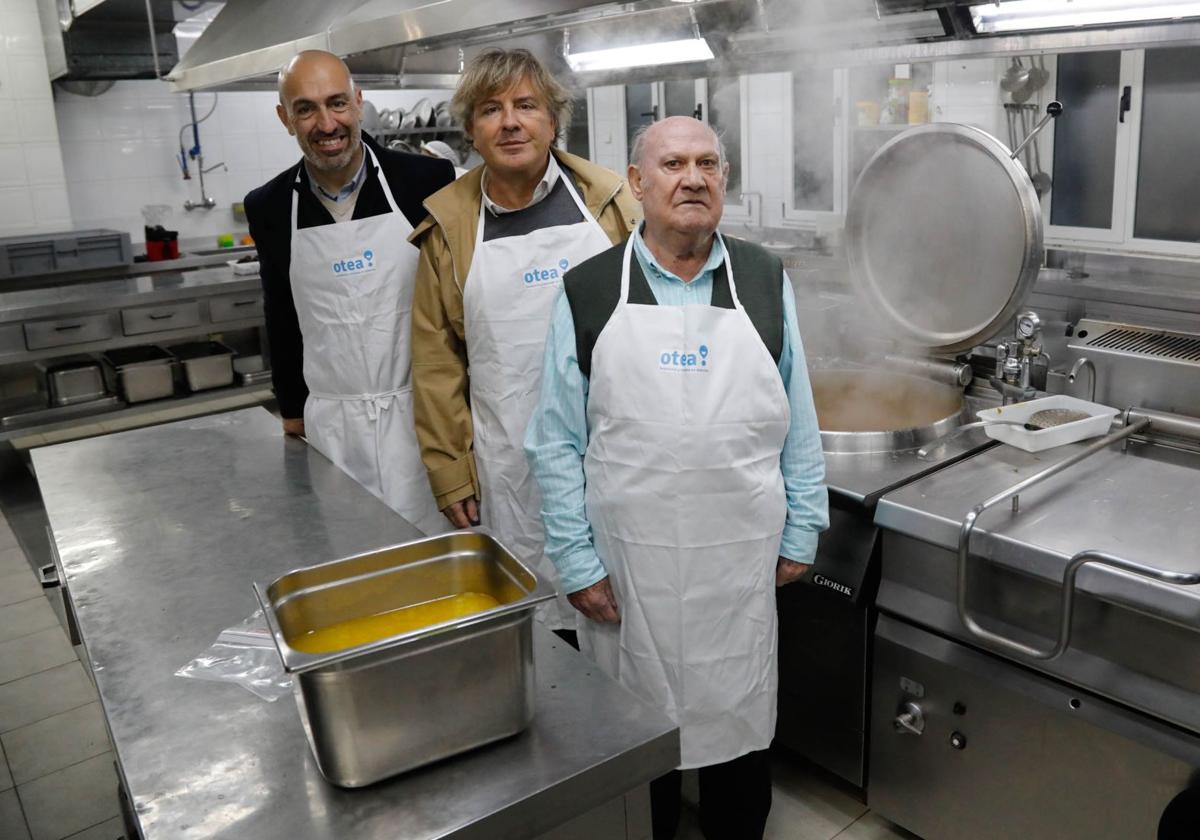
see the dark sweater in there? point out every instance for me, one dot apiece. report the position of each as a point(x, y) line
point(412, 179)
point(593, 289)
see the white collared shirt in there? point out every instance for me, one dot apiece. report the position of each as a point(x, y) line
point(549, 179)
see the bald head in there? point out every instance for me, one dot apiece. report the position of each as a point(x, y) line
point(319, 106)
point(652, 133)
point(678, 173)
point(312, 64)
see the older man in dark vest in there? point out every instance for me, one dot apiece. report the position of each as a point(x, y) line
point(676, 447)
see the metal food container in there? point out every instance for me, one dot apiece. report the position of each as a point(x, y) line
point(141, 373)
point(258, 377)
point(249, 364)
point(206, 364)
point(396, 703)
point(75, 381)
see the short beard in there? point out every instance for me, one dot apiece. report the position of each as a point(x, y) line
point(318, 161)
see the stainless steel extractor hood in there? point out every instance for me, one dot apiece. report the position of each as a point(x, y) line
point(423, 43)
point(89, 40)
point(253, 38)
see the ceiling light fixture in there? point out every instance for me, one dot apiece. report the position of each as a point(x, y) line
point(1025, 15)
point(641, 55)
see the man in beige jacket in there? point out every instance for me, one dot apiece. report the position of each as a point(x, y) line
point(493, 252)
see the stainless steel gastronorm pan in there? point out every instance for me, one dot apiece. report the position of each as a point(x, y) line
point(206, 364)
point(141, 373)
point(400, 702)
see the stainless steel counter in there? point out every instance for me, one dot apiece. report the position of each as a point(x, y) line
point(160, 533)
point(1135, 640)
point(1141, 504)
point(998, 724)
point(198, 253)
point(16, 306)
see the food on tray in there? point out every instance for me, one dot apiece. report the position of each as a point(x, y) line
point(370, 628)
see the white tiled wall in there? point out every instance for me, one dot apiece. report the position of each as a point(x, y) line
point(120, 150)
point(33, 192)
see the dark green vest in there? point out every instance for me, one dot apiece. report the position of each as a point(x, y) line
point(594, 287)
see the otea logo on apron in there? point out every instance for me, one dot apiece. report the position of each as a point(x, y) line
point(536, 277)
point(357, 264)
point(678, 361)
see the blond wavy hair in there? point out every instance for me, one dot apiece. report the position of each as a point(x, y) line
point(495, 70)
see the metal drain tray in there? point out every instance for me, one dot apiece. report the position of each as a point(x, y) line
point(1142, 366)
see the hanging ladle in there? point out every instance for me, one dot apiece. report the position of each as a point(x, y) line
point(1052, 110)
point(1017, 75)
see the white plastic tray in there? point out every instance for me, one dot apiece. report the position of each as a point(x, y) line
point(243, 267)
point(1098, 422)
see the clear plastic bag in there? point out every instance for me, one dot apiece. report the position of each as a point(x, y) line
point(244, 655)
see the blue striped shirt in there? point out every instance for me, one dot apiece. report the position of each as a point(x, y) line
point(346, 191)
point(556, 438)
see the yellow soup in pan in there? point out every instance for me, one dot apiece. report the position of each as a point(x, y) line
point(370, 628)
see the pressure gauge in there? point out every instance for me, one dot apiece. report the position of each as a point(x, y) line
point(1028, 324)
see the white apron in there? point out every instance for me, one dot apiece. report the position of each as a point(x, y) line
point(353, 286)
point(687, 417)
point(507, 302)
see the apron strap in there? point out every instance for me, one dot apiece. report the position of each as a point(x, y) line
point(383, 182)
point(627, 290)
point(737, 304)
point(296, 198)
point(588, 218)
point(570, 185)
point(375, 403)
point(625, 260)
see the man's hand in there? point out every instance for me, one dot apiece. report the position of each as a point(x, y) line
point(463, 514)
point(293, 426)
point(787, 571)
point(597, 602)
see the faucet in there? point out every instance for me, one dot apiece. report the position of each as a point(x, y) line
point(1013, 382)
point(206, 202)
point(1081, 363)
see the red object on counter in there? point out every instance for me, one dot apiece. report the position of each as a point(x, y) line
point(157, 249)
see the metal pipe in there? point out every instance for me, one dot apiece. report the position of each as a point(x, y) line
point(195, 127)
point(206, 202)
point(763, 20)
point(154, 44)
point(1052, 111)
point(1165, 423)
point(954, 374)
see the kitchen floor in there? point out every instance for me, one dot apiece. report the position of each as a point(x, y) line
point(57, 778)
point(806, 804)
